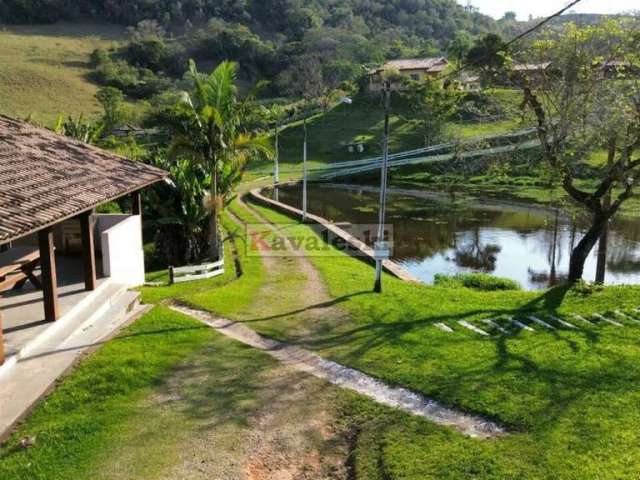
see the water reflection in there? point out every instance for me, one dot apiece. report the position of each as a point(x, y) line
point(432, 235)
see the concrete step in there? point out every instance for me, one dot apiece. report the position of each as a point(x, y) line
point(86, 311)
point(541, 322)
point(473, 328)
point(29, 378)
point(521, 325)
point(112, 318)
point(495, 326)
point(604, 319)
point(562, 322)
point(626, 317)
point(444, 327)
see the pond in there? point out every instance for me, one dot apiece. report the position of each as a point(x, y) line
point(435, 234)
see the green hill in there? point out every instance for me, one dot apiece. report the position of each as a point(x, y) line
point(44, 69)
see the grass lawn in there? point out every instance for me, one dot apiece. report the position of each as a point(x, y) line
point(44, 69)
point(97, 406)
point(569, 398)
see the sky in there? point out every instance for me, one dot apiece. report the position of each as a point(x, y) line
point(541, 8)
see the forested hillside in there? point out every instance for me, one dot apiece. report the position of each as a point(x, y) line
point(432, 19)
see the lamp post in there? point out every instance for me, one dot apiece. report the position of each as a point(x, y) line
point(276, 170)
point(343, 100)
point(381, 247)
point(304, 173)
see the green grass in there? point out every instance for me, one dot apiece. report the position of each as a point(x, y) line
point(476, 281)
point(363, 122)
point(82, 421)
point(569, 398)
point(117, 415)
point(44, 69)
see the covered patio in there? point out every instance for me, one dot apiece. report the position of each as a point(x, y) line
point(23, 311)
point(56, 253)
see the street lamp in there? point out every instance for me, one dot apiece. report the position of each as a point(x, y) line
point(343, 100)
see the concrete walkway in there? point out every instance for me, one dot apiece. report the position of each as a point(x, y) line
point(34, 370)
point(311, 363)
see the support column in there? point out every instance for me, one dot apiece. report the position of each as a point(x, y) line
point(136, 198)
point(88, 251)
point(49, 276)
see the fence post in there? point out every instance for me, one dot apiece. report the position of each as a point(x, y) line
point(171, 275)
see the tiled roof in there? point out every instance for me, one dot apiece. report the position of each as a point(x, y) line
point(436, 64)
point(46, 178)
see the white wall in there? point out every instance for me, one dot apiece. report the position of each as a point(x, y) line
point(121, 244)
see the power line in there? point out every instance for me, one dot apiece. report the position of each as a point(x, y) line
point(542, 23)
point(519, 37)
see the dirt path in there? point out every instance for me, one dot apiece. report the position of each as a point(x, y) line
point(283, 432)
point(294, 294)
point(308, 362)
point(314, 288)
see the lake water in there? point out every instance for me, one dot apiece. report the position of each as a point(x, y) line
point(434, 234)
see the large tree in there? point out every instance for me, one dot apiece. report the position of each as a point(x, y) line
point(212, 127)
point(587, 104)
point(434, 106)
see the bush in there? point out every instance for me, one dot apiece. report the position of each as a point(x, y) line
point(477, 281)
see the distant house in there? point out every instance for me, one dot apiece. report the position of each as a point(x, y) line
point(531, 68)
point(470, 83)
point(610, 69)
point(417, 69)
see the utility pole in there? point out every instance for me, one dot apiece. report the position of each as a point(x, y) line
point(381, 248)
point(304, 173)
point(276, 171)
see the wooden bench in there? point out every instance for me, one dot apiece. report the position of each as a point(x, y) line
point(17, 266)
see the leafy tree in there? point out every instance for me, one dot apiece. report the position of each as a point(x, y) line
point(434, 104)
point(111, 100)
point(583, 104)
point(459, 47)
point(211, 129)
point(146, 53)
point(178, 211)
point(488, 56)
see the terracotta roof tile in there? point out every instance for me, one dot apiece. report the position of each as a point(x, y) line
point(437, 64)
point(46, 178)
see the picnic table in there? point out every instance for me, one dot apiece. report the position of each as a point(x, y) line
point(17, 266)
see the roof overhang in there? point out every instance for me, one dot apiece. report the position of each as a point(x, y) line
point(46, 178)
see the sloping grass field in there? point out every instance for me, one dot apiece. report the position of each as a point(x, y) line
point(44, 69)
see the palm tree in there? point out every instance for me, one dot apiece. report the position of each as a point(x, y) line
point(212, 128)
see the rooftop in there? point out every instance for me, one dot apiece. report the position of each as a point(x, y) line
point(435, 64)
point(46, 178)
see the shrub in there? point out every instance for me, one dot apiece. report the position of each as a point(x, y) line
point(477, 281)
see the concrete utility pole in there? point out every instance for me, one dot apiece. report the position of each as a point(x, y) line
point(304, 173)
point(381, 248)
point(276, 171)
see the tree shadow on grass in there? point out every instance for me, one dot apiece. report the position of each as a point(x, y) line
point(230, 383)
point(515, 370)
